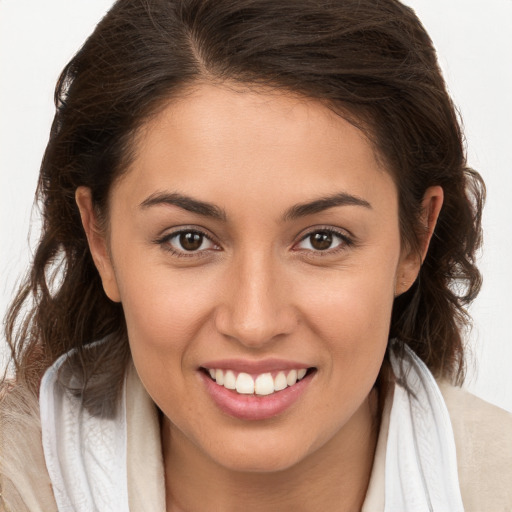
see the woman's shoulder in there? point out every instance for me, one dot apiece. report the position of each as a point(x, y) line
point(483, 438)
point(24, 481)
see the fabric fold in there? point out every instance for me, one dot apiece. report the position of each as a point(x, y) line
point(421, 462)
point(85, 455)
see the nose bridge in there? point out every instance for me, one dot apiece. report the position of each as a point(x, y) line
point(257, 308)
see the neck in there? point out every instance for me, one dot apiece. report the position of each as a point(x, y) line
point(333, 478)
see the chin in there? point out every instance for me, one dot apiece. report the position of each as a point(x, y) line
point(273, 454)
point(260, 461)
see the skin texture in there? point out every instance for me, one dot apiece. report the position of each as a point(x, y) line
point(258, 289)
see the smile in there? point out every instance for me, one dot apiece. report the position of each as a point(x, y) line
point(262, 384)
point(255, 391)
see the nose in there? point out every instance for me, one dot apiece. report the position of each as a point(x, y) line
point(257, 307)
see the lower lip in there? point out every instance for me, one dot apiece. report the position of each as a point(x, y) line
point(255, 407)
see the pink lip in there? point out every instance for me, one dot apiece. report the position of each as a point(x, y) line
point(254, 407)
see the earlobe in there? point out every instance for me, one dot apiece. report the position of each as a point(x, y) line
point(97, 241)
point(411, 262)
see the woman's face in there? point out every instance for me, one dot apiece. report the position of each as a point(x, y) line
point(255, 233)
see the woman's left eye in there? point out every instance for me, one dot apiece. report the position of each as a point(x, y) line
point(323, 240)
point(188, 241)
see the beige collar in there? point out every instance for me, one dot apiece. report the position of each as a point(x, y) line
point(146, 482)
point(374, 501)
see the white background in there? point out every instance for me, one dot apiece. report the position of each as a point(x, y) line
point(474, 42)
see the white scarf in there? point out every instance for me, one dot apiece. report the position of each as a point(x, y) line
point(421, 461)
point(86, 456)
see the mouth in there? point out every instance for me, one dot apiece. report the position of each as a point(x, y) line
point(245, 395)
point(262, 384)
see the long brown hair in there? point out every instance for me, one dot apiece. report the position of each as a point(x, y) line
point(369, 59)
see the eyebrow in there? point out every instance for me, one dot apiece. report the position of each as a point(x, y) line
point(186, 203)
point(324, 203)
point(206, 209)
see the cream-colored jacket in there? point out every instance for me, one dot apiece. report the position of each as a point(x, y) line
point(483, 438)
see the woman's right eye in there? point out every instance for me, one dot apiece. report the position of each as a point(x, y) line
point(187, 242)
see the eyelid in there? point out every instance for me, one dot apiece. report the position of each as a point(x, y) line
point(347, 239)
point(164, 240)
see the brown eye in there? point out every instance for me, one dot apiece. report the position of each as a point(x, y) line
point(324, 240)
point(188, 242)
point(321, 240)
point(191, 241)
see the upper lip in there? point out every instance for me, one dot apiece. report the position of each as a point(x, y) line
point(254, 367)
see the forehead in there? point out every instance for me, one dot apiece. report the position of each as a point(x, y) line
point(219, 140)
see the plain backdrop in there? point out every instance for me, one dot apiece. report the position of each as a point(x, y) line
point(474, 43)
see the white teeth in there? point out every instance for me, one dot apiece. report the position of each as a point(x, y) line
point(230, 380)
point(280, 381)
point(264, 384)
point(244, 384)
point(291, 378)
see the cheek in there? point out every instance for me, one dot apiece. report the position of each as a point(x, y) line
point(164, 310)
point(350, 311)
point(163, 317)
point(157, 314)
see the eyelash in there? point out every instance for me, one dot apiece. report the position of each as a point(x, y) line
point(345, 241)
point(164, 242)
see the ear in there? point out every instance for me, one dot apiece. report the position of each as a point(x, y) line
point(97, 243)
point(411, 260)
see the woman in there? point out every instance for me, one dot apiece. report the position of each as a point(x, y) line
point(258, 246)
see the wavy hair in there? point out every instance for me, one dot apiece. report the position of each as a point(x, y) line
point(371, 60)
